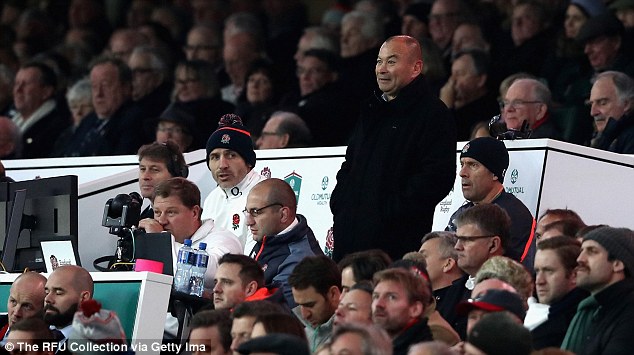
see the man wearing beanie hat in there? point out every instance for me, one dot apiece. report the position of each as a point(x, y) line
point(231, 159)
point(483, 164)
point(604, 321)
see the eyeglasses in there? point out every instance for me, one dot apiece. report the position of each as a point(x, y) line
point(465, 239)
point(254, 212)
point(516, 103)
point(199, 48)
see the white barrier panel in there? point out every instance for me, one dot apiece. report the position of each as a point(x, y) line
point(542, 173)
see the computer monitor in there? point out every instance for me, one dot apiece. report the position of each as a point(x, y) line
point(49, 213)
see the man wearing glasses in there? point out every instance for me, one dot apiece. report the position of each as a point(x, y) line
point(283, 238)
point(525, 106)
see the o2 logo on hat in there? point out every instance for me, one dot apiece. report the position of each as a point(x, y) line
point(324, 183)
point(514, 175)
point(225, 139)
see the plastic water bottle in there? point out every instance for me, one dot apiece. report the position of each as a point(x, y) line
point(183, 267)
point(197, 280)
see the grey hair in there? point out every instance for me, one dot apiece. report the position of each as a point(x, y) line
point(623, 84)
point(80, 91)
point(156, 59)
point(447, 242)
point(322, 39)
point(540, 91)
point(371, 27)
point(374, 340)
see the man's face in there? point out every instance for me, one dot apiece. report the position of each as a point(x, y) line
point(199, 47)
point(434, 259)
point(304, 44)
point(144, 78)
point(174, 132)
point(28, 91)
point(466, 36)
point(187, 86)
point(605, 103)
point(24, 337)
point(467, 83)
point(472, 253)
point(443, 20)
point(552, 281)
point(601, 51)
point(543, 222)
point(521, 105)
point(394, 68)
point(626, 16)
point(151, 173)
point(595, 271)
point(108, 93)
point(228, 289)
point(474, 317)
point(210, 338)
point(268, 221)
point(476, 180)
point(62, 299)
point(227, 167)
point(414, 27)
point(270, 138)
point(313, 74)
point(347, 280)
point(315, 308)
point(241, 329)
point(237, 61)
point(355, 307)
point(525, 25)
point(176, 218)
point(391, 308)
point(347, 344)
point(26, 300)
point(352, 41)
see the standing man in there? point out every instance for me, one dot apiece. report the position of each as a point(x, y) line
point(231, 159)
point(26, 300)
point(66, 288)
point(157, 163)
point(483, 164)
point(400, 162)
point(283, 237)
point(604, 321)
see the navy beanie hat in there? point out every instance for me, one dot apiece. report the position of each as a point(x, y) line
point(619, 242)
point(490, 152)
point(231, 134)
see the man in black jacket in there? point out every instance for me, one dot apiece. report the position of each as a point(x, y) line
point(400, 162)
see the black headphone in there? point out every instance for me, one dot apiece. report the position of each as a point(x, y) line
point(175, 167)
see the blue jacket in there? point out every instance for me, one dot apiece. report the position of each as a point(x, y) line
point(278, 254)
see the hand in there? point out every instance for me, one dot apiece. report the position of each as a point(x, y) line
point(448, 94)
point(151, 225)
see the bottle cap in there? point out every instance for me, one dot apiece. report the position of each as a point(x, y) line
point(202, 246)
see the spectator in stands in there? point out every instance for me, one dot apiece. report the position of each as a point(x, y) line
point(316, 283)
point(612, 106)
point(39, 116)
point(284, 130)
point(556, 285)
point(25, 301)
point(123, 41)
point(65, 288)
point(115, 125)
point(176, 124)
point(231, 159)
point(364, 210)
point(7, 77)
point(485, 336)
point(31, 333)
point(212, 329)
point(280, 323)
point(240, 51)
point(554, 215)
point(10, 141)
point(283, 238)
point(361, 266)
point(240, 279)
point(509, 271)
point(398, 306)
point(416, 20)
point(483, 164)
point(150, 88)
point(442, 265)
point(319, 101)
point(602, 37)
point(468, 36)
point(603, 322)
point(566, 227)
point(198, 92)
point(624, 11)
point(244, 317)
point(444, 18)
point(176, 204)
point(526, 104)
point(355, 305)
point(360, 339)
point(492, 301)
point(316, 38)
point(466, 92)
point(204, 43)
point(158, 162)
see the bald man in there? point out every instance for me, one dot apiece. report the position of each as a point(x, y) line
point(283, 237)
point(400, 161)
point(26, 300)
point(66, 287)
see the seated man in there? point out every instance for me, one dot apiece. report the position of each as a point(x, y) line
point(239, 279)
point(492, 300)
point(177, 211)
point(244, 317)
point(211, 330)
point(284, 130)
point(30, 332)
point(283, 237)
point(483, 164)
point(26, 300)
